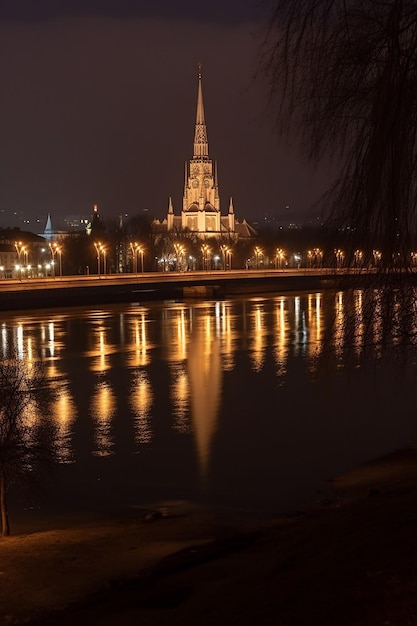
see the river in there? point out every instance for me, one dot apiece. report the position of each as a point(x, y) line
point(248, 406)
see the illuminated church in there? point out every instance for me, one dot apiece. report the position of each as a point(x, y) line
point(201, 213)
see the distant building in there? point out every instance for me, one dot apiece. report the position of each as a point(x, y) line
point(74, 225)
point(201, 214)
point(49, 234)
point(22, 253)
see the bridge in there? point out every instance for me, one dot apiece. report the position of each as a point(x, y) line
point(69, 291)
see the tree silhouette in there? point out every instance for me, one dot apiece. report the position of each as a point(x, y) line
point(344, 76)
point(27, 435)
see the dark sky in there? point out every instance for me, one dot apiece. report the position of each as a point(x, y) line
point(98, 106)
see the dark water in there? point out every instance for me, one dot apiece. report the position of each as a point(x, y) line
point(247, 406)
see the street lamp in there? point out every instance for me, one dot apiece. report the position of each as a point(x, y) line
point(258, 254)
point(20, 248)
point(377, 257)
point(224, 249)
point(103, 252)
point(227, 256)
point(134, 247)
point(339, 258)
point(59, 250)
point(205, 249)
point(56, 249)
point(358, 257)
point(279, 258)
point(141, 251)
point(179, 251)
point(318, 256)
point(98, 250)
point(53, 249)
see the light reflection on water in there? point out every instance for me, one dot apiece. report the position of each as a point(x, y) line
point(226, 402)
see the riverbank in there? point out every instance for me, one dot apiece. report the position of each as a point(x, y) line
point(350, 561)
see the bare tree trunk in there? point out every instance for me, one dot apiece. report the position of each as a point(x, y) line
point(5, 528)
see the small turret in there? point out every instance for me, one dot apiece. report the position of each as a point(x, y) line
point(231, 216)
point(170, 216)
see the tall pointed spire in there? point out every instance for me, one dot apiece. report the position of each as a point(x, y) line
point(48, 226)
point(200, 135)
point(48, 233)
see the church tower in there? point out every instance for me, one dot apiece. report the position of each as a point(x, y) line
point(201, 202)
point(200, 214)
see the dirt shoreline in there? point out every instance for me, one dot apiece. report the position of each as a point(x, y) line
point(351, 560)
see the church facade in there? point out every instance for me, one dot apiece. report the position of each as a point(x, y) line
point(201, 214)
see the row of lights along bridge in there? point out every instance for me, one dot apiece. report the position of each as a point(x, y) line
point(209, 261)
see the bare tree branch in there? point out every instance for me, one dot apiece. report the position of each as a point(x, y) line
point(343, 74)
point(27, 434)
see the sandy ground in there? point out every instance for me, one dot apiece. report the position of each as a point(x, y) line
point(350, 561)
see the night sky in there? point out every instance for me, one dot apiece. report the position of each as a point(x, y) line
point(98, 106)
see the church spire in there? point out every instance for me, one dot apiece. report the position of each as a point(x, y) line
point(48, 226)
point(200, 135)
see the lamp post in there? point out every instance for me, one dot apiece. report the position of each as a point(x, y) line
point(20, 248)
point(339, 258)
point(358, 258)
point(258, 254)
point(56, 249)
point(297, 259)
point(205, 249)
point(229, 258)
point(279, 257)
point(136, 249)
point(224, 252)
point(133, 248)
point(141, 251)
point(318, 256)
point(377, 257)
point(103, 252)
point(179, 251)
point(97, 247)
point(59, 251)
